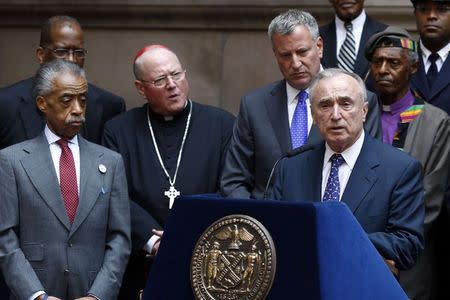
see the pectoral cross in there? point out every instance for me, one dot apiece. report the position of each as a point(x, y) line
point(172, 193)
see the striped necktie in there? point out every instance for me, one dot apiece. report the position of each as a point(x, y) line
point(347, 53)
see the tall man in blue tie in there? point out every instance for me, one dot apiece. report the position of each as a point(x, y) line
point(381, 185)
point(276, 118)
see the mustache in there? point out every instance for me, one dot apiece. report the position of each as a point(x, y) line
point(383, 78)
point(75, 119)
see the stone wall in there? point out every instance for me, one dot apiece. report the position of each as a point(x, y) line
point(222, 43)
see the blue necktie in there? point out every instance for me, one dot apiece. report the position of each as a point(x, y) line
point(333, 189)
point(299, 124)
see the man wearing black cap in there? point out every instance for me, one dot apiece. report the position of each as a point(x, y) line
point(418, 128)
point(432, 79)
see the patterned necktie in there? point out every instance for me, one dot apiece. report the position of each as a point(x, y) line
point(299, 124)
point(333, 189)
point(68, 180)
point(432, 70)
point(347, 53)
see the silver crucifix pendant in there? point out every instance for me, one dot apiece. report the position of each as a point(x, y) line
point(172, 193)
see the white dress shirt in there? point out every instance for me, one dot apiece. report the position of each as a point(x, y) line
point(443, 53)
point(350, 156)
point(341, 32)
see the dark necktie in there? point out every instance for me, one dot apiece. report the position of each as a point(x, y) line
point(333, 189)
point(347, 53)
point(299, 123)
point(68, 180)
point(432, 70)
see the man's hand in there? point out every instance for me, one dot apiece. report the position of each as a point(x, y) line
point(391, 266)
point(155, 248)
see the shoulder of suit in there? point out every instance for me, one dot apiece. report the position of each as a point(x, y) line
point(22, 148)
point(128, 118)
point(103, 94)
point(266, 90)
point(98, 149)
point(437, 113)
point(17, 89)
point(379, 26)
point(212, 112)
point(390, 156)
point(325, 28)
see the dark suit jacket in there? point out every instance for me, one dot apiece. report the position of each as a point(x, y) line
point(439, 94)
point(40, 249)
point(20, 119)
point(261, 135)
point(384, 192)
point(328, 34)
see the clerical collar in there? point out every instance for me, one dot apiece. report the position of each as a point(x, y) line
point(178, 116)
point(399, 105)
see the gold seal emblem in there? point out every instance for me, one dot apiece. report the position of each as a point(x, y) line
point(233, 259)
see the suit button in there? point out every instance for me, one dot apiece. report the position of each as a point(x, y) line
point(70, 244)
point(66, 272)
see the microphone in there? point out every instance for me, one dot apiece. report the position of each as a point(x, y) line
point(291, 153)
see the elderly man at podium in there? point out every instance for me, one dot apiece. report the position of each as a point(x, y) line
point(381, 185)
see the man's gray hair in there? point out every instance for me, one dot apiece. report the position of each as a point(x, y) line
point(286, 23)
point(333, 72)
point(44, 79)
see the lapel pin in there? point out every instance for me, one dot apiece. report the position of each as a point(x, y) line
point(102, 168)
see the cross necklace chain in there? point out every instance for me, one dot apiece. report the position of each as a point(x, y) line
point(172, 192)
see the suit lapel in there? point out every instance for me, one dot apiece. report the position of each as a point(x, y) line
point(361, 62)
point(419, 80)
point(442, 79)
point(363, 176)
point(330, 48)
point(91, 182)
point(31, 118)
point(315, 164)
point(276, 107)
point(41, 171)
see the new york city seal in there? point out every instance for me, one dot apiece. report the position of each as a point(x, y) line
point(233, 259)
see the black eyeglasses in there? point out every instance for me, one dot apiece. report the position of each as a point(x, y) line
point(65, 52)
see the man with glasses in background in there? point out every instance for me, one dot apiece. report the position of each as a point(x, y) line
point(171, 146)
point(61, 38)
point(20, 119)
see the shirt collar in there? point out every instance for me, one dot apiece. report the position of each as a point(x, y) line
point(358, 22)
point(350, 154)
point(443, 53)
point(53, 138)
point(292, 93)
point(399, 105)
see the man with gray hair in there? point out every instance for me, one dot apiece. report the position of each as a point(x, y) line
point(64, 211)
point(420, 129)
point(381, 185)
point(276, 118)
